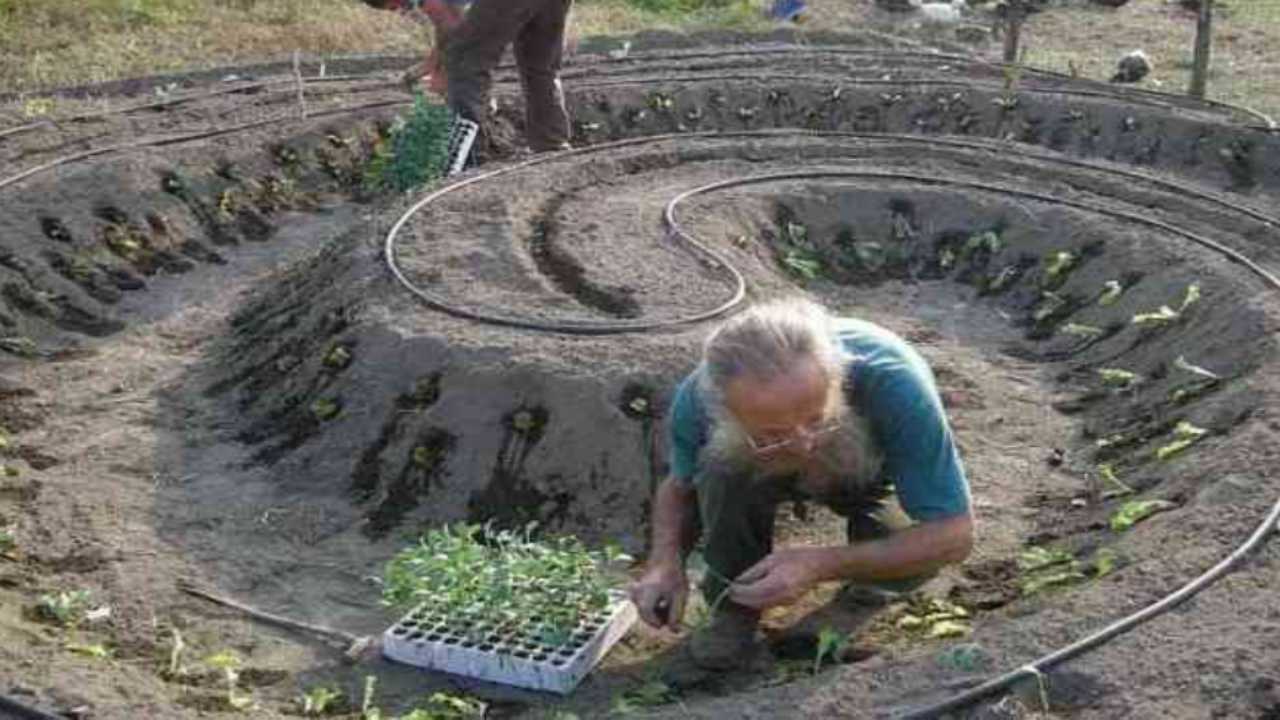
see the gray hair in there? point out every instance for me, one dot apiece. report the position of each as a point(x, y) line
point(768, 341)
point(764, 343)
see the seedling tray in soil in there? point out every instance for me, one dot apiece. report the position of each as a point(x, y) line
point(518, 657)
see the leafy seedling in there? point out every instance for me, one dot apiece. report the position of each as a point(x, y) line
point(319, 700)
point(4, 440)
point(448, 706)
point(802, 263)
point(1058, 266)
point(1038, 558)
point(325, 409)
point(652, 693)
point(66, 608)
point(1113, 377)
point(97, 651)
point(7, 542)
point(1164, 316)
point(831, 644)
point(229, 664)
point(1119, 488)
point(1135, 511)
point(1111, 292)
point(988, 242)
point(1182, 364)
point(1104, 563)
point(1186, 435)
point(1087, 332)
point(337, 358)
point(1050, 303)
point(935, 618)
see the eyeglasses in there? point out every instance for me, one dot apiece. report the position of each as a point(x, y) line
point(800, 434)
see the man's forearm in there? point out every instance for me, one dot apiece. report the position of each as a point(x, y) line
point(674, 523)
point(908, 553)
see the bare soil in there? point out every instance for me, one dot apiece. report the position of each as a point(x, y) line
point(177, 410)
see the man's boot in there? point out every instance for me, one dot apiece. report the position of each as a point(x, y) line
point(728, 640)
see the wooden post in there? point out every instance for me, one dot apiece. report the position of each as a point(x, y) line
point(1016, 12)
point(1204, 45)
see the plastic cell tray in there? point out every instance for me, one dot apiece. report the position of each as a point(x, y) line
point(431, 641)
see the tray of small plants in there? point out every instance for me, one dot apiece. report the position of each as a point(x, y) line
point(499, 605)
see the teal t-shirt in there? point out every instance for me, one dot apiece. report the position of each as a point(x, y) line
point(893, 388)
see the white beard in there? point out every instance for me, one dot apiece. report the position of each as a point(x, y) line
point(847, 461)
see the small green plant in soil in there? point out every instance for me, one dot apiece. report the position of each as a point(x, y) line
point(651, 693)
point(1166, 315)
point(935, 618)
point(802, 263)
point(319, 700)
point(7, 542)
point(1057, 267)
point(503, 582)
point(228, 663)
point(1117, 378)
point(831, 643)
point(1135, 511)
point(1185, 435)
point(448, 706)
point(1108, 475)
point(67, 608)
point(1088, 332)
point(325, 409)
point(1111, 292)
point(97, 651)
point(415, 152)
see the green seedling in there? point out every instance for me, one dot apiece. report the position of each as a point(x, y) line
point(503, 580)
point(661, 102)
point(831, 643)
point(1065, 575)
point(448, 706)
point(1050, 303)
point(1057, 266)
point(229, 664)
point(7, 541)
point(1164, 316)
point(1039, 558)
point(325, 409)
point(1003, 278)
point(1167, 315)
point(1186, 435)
point(319, 700)
point(796, 233)
point(176, 649)
point(1108, 474)
point(802, 263)
point(11, 471)
point(1114, 377)
point(1135, 511)
point(97, 651)
point(946, 258)
point(1087, 332)
point(1111, 292)
point(649, 694)
point(337, 358)
point(4, 439)
point(1182, 364)
point(66, 608)
point(935, 618)
point(1104, 563)
point(988, 241)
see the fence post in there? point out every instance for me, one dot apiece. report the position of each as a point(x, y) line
point(1204, 45)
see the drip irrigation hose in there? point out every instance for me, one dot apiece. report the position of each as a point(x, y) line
point(1036, 668)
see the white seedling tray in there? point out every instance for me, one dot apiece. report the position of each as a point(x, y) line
point(433, 642)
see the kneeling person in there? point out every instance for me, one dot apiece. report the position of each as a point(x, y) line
point(790, 403)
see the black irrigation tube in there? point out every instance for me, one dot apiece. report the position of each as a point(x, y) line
point(1036, 668)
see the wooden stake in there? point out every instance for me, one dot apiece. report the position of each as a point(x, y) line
point(297, 76)
point(1204, 45)
point(1016, 13)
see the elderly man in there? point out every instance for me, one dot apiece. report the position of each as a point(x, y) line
point(790, 403)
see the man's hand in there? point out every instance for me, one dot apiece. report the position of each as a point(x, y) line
point(779, 579)
point(660, 595)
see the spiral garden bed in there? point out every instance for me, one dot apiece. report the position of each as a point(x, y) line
point(1084, 266)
